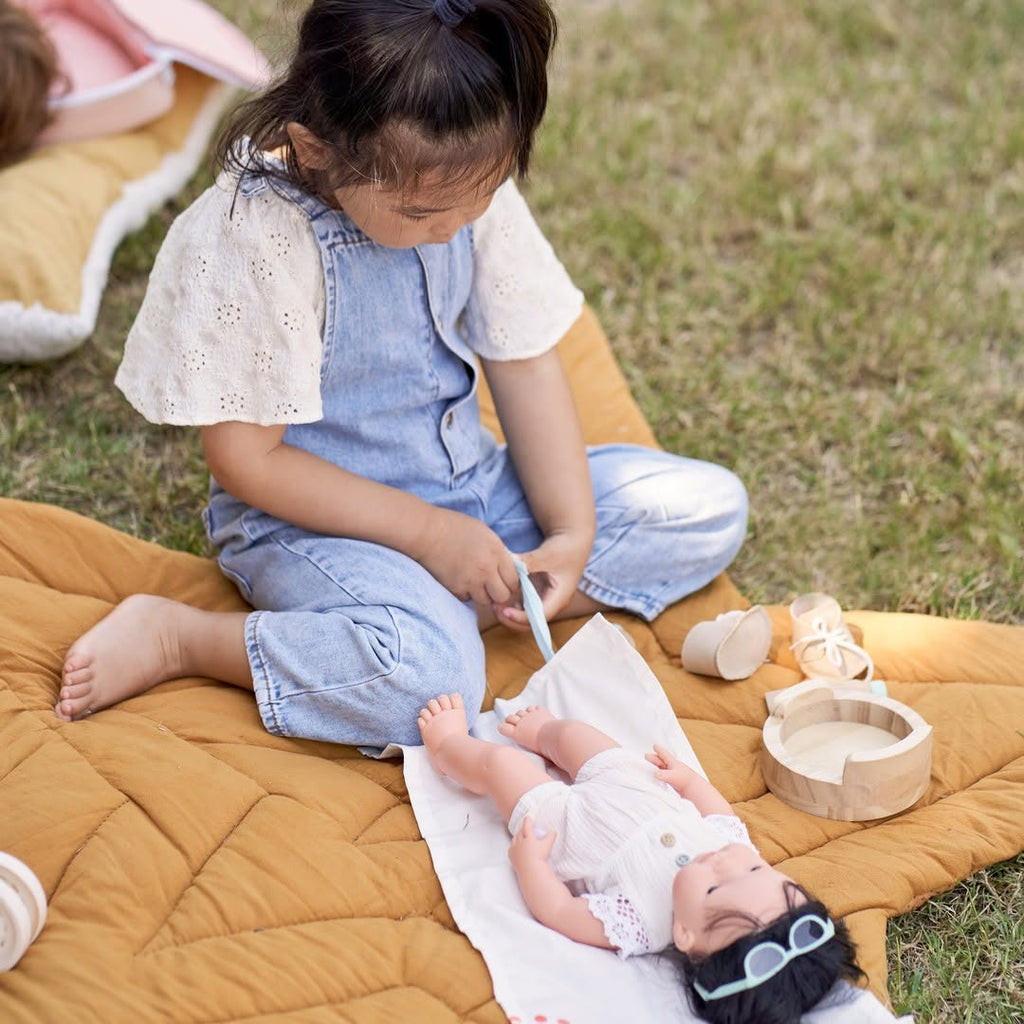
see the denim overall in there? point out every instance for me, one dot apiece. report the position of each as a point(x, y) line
point(349, 638)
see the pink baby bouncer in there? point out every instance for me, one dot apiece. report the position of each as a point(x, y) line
point(117, 56)
point(133, 122)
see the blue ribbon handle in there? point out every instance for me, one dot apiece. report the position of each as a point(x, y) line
point(534, 611)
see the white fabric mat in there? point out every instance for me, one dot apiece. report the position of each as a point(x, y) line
point(538, 974)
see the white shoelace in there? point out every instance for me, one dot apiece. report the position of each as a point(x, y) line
point(835, 643)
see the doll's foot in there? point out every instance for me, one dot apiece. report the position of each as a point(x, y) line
point(524, 726)
point(442, 719)
point(133, 648)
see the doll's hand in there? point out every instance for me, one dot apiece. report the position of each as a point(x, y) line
point(555, 569)
point(689, 784)
point(467, 557)
point(671, 769)
point(528, 849)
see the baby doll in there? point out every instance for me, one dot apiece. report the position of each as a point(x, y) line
point(656, 860)
point(28, 69)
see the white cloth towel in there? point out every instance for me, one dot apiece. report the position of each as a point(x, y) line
point(537, 973)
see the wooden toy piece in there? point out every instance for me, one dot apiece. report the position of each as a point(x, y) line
point(845, 754)
point(790, 695)
point(22, 909)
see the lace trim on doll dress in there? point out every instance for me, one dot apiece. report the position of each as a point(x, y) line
point(622, 925)
point(730, 828)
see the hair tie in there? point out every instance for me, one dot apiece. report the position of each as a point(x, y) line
point(451, 12)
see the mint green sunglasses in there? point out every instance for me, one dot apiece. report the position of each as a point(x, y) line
point(766, 959)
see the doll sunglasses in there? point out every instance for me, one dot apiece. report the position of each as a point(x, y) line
point(766, 959)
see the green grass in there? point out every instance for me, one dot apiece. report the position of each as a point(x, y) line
point(801, 226)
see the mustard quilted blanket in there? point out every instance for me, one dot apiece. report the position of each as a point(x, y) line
point(199, 869)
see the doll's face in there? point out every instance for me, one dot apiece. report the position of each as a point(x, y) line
point(734, 879)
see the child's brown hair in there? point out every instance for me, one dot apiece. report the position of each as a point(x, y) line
point(28, 67)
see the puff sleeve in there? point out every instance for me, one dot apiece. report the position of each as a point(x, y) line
point(231, 324)
point(523, 301)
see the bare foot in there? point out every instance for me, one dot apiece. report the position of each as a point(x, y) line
point(135, 647)
point(442, 718)
point(524, 726)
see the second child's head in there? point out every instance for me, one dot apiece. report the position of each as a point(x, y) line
point(28, 69)
point(406, 113)
point(752, 945)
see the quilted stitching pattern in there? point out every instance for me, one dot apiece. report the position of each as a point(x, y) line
point(199, 869)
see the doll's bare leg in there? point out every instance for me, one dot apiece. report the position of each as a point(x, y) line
point(147, 640)
point(489, 769)
point(563, 741)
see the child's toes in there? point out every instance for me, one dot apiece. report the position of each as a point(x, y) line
point(72, 690)
point(70, 708)
point(73, 701)
point(77, 676)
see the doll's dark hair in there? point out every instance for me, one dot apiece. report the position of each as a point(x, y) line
point(783, 999)
point(395, 90)
point(28, 69)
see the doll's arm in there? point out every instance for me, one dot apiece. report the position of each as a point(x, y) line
point(549, 899)
point(687, 783)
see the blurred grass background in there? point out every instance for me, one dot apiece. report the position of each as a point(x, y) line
point(802, 226)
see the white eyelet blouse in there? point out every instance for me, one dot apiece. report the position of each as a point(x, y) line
point(231, 324)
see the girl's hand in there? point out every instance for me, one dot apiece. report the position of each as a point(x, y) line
point(527, 849)
point(555, 569)
point(467, 557)
point(671, 769)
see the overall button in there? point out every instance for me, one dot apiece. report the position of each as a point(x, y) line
point(682, 859)
point(668, 839)
point(449, 420)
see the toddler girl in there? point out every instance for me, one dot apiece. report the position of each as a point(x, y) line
point(656, 859)
point(320, 314)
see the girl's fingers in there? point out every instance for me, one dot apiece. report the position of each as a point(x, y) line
point(498, 592)
point(509, 576)
point(514, 618)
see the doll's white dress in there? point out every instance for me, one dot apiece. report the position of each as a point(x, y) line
point(622, 834)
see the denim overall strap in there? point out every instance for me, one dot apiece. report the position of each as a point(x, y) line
point(399, 383)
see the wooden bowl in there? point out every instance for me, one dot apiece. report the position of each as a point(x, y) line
point(845, 754)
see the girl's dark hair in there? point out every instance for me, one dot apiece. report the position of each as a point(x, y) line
point(394, 93)
point(784, 998)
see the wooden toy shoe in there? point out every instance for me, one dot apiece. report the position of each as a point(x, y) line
point(732, 646)
point(822, 641)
